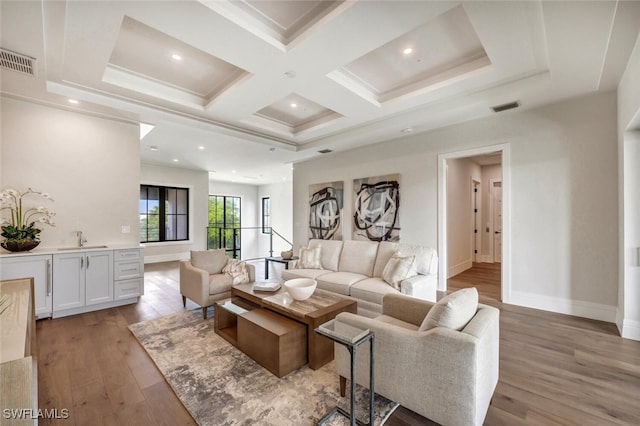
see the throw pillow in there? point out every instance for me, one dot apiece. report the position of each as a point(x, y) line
point(399, 268)
point(211, 261)
point(452, 311)
point(309, 258)
point(237, 270)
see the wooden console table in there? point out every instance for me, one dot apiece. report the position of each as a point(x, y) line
point(321, 307)
point(18, 361)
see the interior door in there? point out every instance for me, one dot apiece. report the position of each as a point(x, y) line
point(477, 243)
point(497, 221)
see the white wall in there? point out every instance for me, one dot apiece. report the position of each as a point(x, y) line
point(198, 184)
point(281, 216)
point(563, 204)
point(89, 165)
point(460, 173)
point(628, 319)
point(249, 213)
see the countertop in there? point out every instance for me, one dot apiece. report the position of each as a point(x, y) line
point(60, 250)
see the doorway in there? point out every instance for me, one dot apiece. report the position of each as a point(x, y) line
point(494, 223)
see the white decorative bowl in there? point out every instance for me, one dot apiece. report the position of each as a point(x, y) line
point(301, 288)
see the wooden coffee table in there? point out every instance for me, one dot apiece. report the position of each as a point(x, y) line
point(321, 307)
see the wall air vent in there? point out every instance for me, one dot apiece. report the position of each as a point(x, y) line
point(17, 62)
point(504, 107)
point(325, 151)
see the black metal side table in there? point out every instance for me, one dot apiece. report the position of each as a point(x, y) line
point(351, 337)
point(277, 260)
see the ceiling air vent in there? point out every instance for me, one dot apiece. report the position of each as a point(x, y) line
point(17, 62)
point(504, 107)
point(325, 151)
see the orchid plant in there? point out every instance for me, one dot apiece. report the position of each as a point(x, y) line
point(22, 224)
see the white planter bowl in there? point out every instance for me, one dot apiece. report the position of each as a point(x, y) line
point(301, 288)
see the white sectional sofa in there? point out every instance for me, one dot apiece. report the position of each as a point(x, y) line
point(355, 268)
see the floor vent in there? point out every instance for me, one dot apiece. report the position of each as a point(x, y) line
point(504, 107)
point(325, 151)
point(17, 62)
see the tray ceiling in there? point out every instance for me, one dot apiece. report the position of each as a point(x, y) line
point(226, 73)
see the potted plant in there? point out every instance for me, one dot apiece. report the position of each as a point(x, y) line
point(20, 232)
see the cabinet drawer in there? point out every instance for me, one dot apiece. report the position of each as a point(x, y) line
point(126, 254)
point(126, 270)
point(129, 288)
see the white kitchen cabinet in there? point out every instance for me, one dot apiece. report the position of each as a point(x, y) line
point(128, 278)
point(99, 277)
point(82, 279)
point(38, 267)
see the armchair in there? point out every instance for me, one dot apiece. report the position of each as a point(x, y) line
point(203, 281)
point(437, 359)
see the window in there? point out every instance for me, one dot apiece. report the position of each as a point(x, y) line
point(266, 215)
point(164, 214)
point(224, 224)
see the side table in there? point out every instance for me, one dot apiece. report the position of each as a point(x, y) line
point(277, 259)
point(351, 337)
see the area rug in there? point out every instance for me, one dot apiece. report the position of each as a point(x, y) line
point(219, 385)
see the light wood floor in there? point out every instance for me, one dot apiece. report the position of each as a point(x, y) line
point(554, 369)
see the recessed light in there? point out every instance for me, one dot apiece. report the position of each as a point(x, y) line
point(233, 171)
point(407, 130)
point(408, 51)
point(201, 148)
point(176, 57)
point(294, 105)
point(272, 149)
point(290, 74)
point(74, 101)
point(175, 160)
point(153, 148)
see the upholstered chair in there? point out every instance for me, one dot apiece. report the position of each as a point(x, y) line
point(209, 275)
point(437, 359)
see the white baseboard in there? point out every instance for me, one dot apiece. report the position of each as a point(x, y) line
point(485, 258)
point(166, 257)
point(578, 308)
point(461, 267)
point(629, 329)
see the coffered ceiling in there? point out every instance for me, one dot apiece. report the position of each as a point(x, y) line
point(245, 88)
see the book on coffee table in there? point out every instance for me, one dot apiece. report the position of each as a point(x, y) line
point(266, 286)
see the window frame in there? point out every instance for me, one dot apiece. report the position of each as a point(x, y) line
point(163, 215)
point(266, 215)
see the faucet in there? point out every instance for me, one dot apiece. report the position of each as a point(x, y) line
point(81, 238)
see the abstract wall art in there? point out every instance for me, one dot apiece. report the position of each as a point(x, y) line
point(325, 210)
point(376, 208)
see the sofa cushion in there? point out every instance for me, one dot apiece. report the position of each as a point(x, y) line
point(452, 311)
point(309, 258)
point(358, 257)
point(371, 290)
point(237, 270)
point(398, 269)
point(339, 282)
point(289, 274)
point(330, 252)
point(426, 261)
point(219, 283)
point(386, 249)
point(211, 261)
